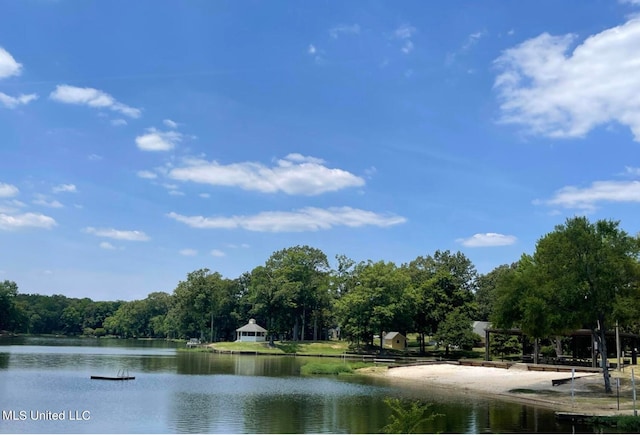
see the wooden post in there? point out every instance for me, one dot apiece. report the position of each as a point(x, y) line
point(618, 345)
point(633, 387)
point(535, 350)
point(486, 345)
point(573, 375)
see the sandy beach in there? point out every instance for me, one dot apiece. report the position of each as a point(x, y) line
point(519, 384)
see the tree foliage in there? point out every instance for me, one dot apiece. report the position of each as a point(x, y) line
point(408, 416)
point(456, 330)
point(440, 284)
point(376, 303)
point(582, 274)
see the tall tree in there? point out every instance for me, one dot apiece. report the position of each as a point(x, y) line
point(579, 276)
point(593, 266)
point(376, 304)
point(485, 293)
point(195, 302)
point(8, 293)
point(298, 280)
point(439, 284)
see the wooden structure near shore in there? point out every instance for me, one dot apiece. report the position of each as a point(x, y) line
point(577, 335)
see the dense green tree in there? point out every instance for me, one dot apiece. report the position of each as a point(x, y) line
point(376, 303)
point(456, 331)
point(486, 286)
point(582, 274)
point(292, 288)
point(196, 303)
point(8, 311)
point(504, 344)
point(524, 298)
point(439, 284)
point(594, 267)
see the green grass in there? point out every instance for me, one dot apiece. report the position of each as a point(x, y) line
point(325, 369)
point(287, 347)
point(318, 368)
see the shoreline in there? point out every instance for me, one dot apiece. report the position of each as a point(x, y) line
point(515, 385)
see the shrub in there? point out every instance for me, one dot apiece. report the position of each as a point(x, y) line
point(325, 369)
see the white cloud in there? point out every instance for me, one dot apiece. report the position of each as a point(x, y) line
point(555, 94)
point(8, 65)
point(634, 172)
point(34, 220)
point(305, 219)
point(136, 236)
point(405, 31)
point(175, 193)
point(8, 190)
point(147, 174)
point(155, 140)
point(46, 202)
point(107, 245)
point(94, 157)
point(118, 122)
point(11, 206)
point(473, 39)
point(344, 29)
point(487, 240)
point(204, 195)
point(171, 124)
point(294, 175)
point(630, 2)
point(93, 98)
point(65, 188)
point(188, 252)
point(13, 102)
point(317, 54)
point(599, 191)
point(407, 47)
point(217, 253)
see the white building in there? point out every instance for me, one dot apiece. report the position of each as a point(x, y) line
point(251, 332)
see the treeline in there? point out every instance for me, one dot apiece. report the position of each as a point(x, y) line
point(296, 295)
point(581, 275)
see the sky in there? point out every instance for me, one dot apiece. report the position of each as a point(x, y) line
point(140, 141)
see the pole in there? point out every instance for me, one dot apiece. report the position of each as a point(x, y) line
point(633, 387)
point(618, 392)
point(573, 375)
point(618, 345)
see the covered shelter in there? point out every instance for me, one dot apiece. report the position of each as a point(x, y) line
point(395, 340)
point(581, 340)
point(251, 332)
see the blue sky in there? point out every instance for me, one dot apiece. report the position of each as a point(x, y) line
point(142, 140)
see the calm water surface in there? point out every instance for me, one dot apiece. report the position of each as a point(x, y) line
point(186, 392)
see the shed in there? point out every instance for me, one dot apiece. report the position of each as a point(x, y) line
point(480, 328)
point(251, 332)
point(395, 340)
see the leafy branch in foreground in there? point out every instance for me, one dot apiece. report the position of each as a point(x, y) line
point(408, 416)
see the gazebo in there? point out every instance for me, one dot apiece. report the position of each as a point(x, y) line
point(251, 332)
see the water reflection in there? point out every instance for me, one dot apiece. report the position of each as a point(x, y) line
point(187, 392)
point(4, 360)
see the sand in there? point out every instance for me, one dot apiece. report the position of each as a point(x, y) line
point(521, 385)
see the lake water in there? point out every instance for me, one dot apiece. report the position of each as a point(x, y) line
point(194, 392)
